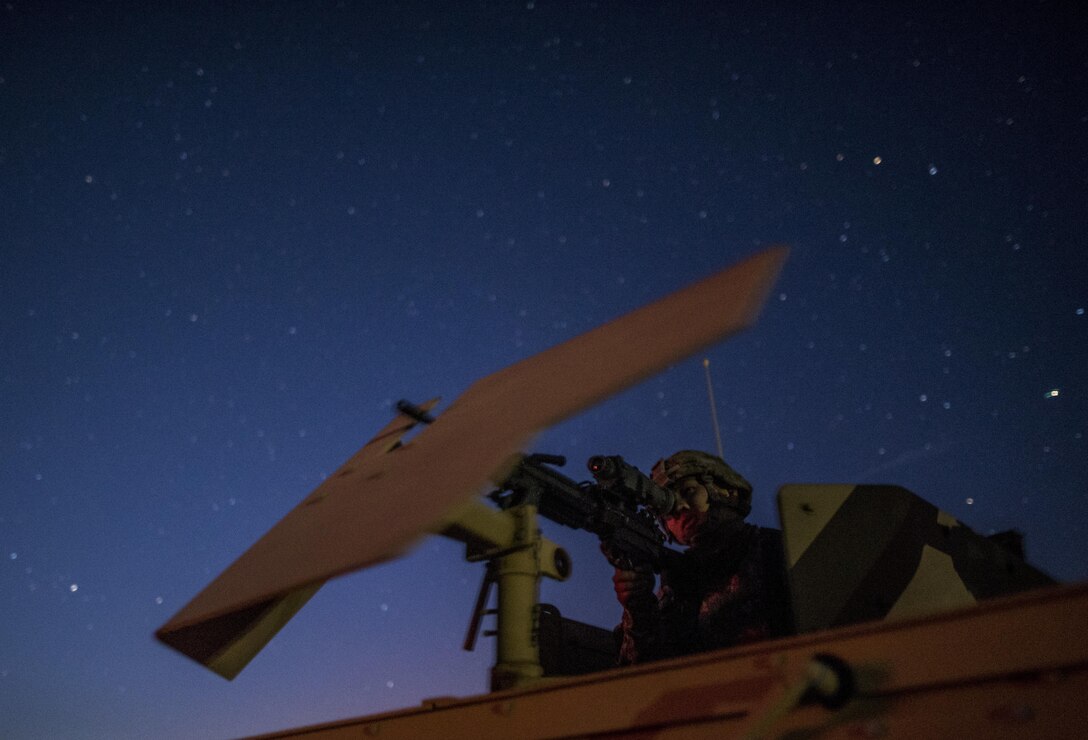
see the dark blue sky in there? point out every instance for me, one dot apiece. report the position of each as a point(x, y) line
point(233, 238)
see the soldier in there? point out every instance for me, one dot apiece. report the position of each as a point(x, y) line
point(727, 587)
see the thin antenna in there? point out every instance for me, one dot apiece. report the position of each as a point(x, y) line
point(713, 407)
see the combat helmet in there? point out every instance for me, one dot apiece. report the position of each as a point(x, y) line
point(686, 463)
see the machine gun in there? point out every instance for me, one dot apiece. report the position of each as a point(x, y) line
point(620, 508)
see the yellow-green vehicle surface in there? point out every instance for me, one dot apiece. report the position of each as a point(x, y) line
point(1013, 667)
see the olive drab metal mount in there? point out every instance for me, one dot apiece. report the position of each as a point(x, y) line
point(517, 556)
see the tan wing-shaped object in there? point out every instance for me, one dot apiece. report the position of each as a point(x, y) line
point(228, 642)
point(370, 511)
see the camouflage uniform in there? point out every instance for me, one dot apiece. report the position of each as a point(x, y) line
point(726, 589)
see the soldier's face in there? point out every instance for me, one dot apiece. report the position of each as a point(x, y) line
point(690, 514)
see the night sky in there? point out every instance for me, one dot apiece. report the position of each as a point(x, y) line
point(231, 239)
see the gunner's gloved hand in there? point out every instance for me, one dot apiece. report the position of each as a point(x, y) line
point(634, 581)
point(634, 587)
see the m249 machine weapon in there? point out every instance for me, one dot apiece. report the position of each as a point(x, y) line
point(625, 522)
point(621, 508)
